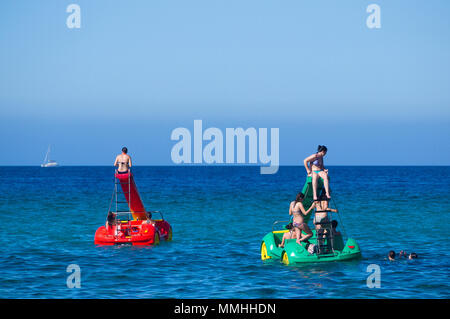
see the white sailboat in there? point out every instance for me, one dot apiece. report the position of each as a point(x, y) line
point(47, 161)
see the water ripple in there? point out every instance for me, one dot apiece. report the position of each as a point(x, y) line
point(219, 215)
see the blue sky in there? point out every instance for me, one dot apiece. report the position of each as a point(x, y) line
point(136, 70)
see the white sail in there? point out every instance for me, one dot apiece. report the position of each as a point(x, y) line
point(47, 161)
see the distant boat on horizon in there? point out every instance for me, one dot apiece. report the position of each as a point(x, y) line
point(47, 161)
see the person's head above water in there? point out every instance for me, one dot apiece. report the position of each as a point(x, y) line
point(124, 150)
point(322, 149)
point(391, 255)
point(412, 256)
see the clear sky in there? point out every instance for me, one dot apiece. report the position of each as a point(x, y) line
point(136, 70)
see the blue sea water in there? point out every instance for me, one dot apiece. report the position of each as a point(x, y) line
point(219, 215)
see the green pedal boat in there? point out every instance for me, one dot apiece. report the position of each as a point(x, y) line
point(292, 253)
point(330, 247)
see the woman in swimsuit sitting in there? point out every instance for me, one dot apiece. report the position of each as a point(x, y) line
point(317, 170)
point(123, 161)
point(297, 210)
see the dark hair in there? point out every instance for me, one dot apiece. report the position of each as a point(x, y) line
point(392, 254)
point(111, 218)
point(124, 149)
point(148, 215)
point(334, 223)
point(299, 197)
point(413, 255)
point(321, 148)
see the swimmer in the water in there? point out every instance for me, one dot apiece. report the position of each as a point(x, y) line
point(406, 255)
point(391, 255)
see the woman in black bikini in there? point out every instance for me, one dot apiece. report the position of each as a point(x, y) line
point(322, 210)
point(123, 161)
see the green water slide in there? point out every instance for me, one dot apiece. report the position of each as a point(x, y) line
point(307, 190)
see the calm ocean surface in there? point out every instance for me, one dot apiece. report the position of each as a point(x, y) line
point(219, 215)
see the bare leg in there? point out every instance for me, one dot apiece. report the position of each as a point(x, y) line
point(298, 233)
point(285, 236)
point(282, 241)
point(326, 184)
point(300, 236)
point(305, 237)
point(319, 235)
point(308, 232)
point(314, 185)
point(318, 229)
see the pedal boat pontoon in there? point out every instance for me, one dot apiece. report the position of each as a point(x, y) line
point(330, 248)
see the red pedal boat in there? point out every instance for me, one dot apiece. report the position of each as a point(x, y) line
point(131, 226)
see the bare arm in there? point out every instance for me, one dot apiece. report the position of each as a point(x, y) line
point(305, 163)
point(307, 160)
point(129, 161)
point(115, 162)
point(290, 209)
point(305, 237)
point(313, 205)
point(302, 209)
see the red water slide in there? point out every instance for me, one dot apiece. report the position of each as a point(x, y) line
point(132, 195)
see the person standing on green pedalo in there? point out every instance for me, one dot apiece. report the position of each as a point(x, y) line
point(297, 210)
point(315, 168)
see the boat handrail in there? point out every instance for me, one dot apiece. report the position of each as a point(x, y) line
point(278, 222)
point(157, 212)
point(129, 213)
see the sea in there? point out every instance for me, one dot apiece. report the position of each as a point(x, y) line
point(219, 215)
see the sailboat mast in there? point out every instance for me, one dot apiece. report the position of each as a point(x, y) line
point(46, 155)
